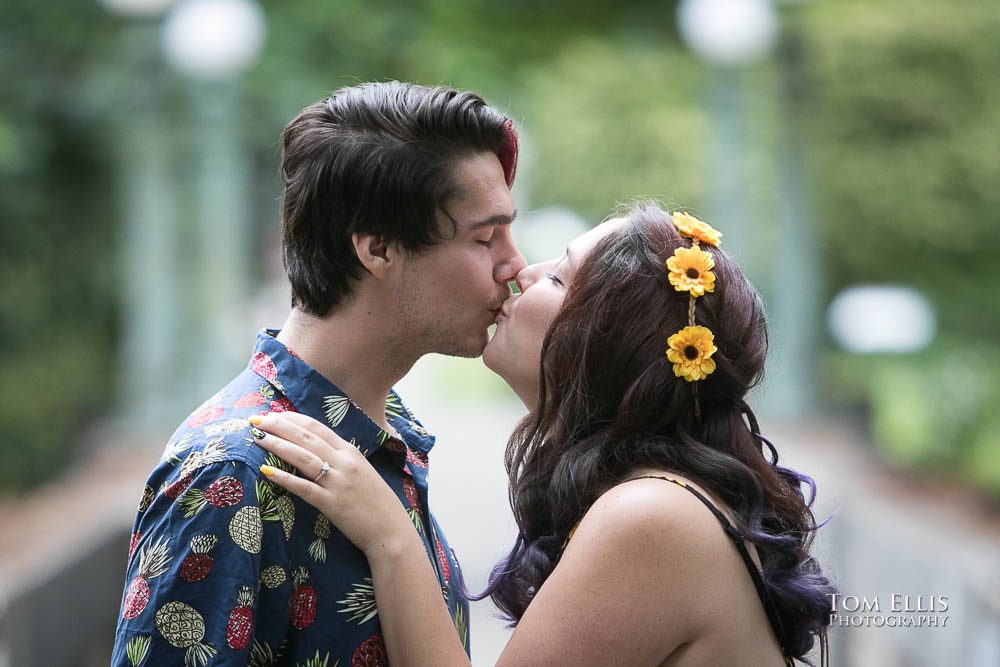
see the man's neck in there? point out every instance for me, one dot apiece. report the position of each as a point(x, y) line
point(352, 348)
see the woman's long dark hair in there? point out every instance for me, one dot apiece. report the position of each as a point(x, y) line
point(609, 404)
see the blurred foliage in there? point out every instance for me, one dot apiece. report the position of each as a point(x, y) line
point(898, 106)
point(56, 257)
point(902, 110)
point(935, 410)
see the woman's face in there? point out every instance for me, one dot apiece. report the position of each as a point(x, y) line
point(514, 352)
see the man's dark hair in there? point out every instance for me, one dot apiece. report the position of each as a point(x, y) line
point(377, 158)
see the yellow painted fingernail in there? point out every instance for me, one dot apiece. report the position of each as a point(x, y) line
point(267, 470)
point(255, 419)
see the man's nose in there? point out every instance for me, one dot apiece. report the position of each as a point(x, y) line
point(508, 269)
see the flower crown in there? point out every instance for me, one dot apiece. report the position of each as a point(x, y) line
point(690, 350)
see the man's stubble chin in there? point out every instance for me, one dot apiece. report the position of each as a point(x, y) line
point(466, 347)
point(447, 338)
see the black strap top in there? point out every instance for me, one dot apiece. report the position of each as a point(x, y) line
point(737, 539)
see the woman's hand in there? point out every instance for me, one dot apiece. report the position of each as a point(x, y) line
point(350, 493)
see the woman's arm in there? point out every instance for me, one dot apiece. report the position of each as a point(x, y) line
point(416, 625)
point(629, 589)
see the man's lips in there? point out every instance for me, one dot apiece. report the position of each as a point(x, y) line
point(503, 310)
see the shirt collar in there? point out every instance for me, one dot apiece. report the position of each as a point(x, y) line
point(312, 394)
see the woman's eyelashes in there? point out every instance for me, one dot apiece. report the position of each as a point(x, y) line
point(554, 278)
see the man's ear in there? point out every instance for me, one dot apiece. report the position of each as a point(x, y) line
point(375, 253)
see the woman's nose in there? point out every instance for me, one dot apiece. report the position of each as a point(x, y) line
point(527, 276)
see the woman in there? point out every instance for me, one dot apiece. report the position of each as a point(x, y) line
point(653, 529)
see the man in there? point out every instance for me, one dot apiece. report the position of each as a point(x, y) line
point(396, 237)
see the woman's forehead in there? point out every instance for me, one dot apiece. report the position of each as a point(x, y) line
point(583, 244)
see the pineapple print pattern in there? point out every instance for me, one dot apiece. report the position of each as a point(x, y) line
point(335, 408)
point(281, 405)
point(273, 576)
point(210, 580)
point(147, 498)
point(205, 415)
point(241, 620)
point(255, 399)
point(413, 498)
point(178, 486)
point(133, 543)
point(284, 511)
point(172, 452)
point(137, 649)
point(442, 559)
point(360, 602)
point(276, 505)
point(154, 560)
point(371, 653)
point(247, 529)
point(417, 459)
point(394, 407)
point(461, 626)
point(223, 492)
point(316, 661)
point(302, 606)
point(263, 365)
point(214, 452)
point(198, 564)
point(318, 547)
point(261, 655)
point(229, 426)
point(182, 626)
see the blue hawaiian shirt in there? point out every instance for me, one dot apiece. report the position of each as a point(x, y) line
point(226, 568)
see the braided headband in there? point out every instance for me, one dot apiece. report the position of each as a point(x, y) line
point(690, 350)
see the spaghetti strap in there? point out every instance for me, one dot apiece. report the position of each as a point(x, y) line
point(737, 538)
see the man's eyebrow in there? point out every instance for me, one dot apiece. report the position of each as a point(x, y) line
point(494, 220)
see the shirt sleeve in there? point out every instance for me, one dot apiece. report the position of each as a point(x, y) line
point(205, 551)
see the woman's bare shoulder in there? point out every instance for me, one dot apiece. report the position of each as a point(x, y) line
point(652, 516)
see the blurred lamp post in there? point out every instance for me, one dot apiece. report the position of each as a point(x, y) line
point(730, 34)
point(212, 42)
point(148, 247)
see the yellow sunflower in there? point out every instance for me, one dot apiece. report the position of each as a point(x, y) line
point(691, 271)
point(690, 351)
point(688, 225)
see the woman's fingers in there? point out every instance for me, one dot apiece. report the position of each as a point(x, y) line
point(308, 461)
point(303, 488)
point(309, 428)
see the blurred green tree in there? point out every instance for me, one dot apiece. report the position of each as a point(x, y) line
point(899, 112)
point(56, 262)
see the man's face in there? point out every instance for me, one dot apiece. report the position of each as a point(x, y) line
point(449, 295)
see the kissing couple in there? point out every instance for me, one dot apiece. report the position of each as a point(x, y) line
point(288, 521)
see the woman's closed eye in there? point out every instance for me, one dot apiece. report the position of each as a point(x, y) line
point(554, 278)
